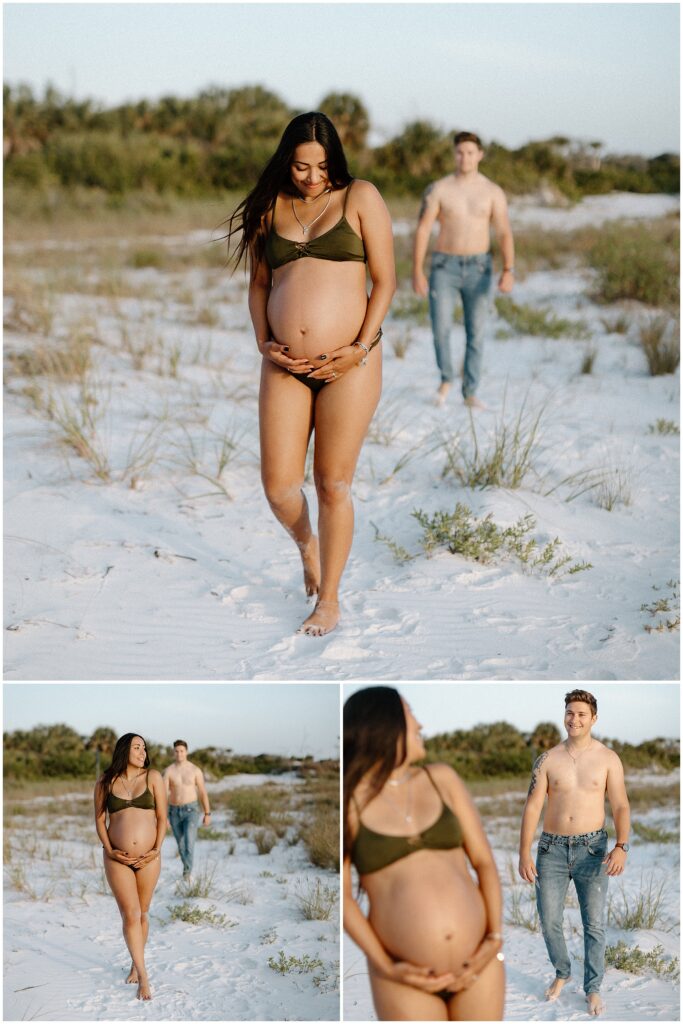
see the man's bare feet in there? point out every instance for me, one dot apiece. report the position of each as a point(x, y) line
point(472, 402)
point(310, 557)
point(440, 396)
point(144, 991)
point(595, 1004)
point(322, 619)
point(132, 978)
point(553, 991)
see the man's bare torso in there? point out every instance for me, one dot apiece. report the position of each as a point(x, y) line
point(576, 789)
point(465, 211)
point(182, 783)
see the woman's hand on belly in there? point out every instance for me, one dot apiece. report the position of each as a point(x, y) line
point(146, 858)
point(475, 964)
point(330, 366)
point(121, 856)
point(423, 978)
point(279, 354)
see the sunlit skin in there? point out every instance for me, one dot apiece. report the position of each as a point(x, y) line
point(302, 311)
point(132, 840)
point(427, 927)
point(575, 776)
point(185, 783)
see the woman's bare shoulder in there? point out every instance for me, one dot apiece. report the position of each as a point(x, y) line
point(364, 192)
point(154, 775)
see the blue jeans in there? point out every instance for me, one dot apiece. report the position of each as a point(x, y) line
point(184, 819)
point(559, 860)
point(471, 277)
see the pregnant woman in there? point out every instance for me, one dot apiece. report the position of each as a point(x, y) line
point(310, 232)
point(432, 937)
point(133, 796)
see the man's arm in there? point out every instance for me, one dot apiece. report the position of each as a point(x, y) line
point(429, 211)
point(621, 814)
point(203, 795)
point(532, 812)
point(501, 225)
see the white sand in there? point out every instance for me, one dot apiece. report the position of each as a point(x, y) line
point(174, 580)
point(627, 997)
point(65, 956)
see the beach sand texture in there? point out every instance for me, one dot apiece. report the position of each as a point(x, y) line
point(65, 957)
point(170, 565)
point(652, 866)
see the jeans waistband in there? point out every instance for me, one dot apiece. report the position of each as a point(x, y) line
point(194, 805)
point(583, 840)
point(463, 259)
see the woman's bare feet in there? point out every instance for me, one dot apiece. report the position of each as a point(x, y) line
point(310, 557)
point(323, 619)
point(144, 991)
point(553, 991)
point(132, 978)
point(595, 1004)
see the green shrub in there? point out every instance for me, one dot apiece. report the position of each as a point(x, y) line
point(538, 322)
point(662, 426)
point(634, 960)
point(637, 262)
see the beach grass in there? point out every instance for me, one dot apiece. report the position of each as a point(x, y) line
point(653, 834)
point(527, 319)
point(316, 900)
point(636, 961)
point(660, 341)
point(284, 964)
point(664, 427)
point(642, 911)
point(190, 913)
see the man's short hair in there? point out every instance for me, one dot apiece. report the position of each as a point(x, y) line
point(584, 696)
point(467, 137)
point(180, 743)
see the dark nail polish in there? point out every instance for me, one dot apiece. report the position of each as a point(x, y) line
point(322, 357)
point(285, 348)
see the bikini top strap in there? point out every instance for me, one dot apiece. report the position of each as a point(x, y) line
point(429, 776)
point(346, 197)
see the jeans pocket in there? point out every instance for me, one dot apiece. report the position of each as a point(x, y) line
point(438, 260)
point(543, 847)
point(597, 849)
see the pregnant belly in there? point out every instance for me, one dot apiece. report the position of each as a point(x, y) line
point(133, 830)
point(317, 306)
point(431, 914)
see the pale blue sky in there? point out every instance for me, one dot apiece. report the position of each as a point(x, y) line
point(628, 712)
point(273, 718)
point(512, 72)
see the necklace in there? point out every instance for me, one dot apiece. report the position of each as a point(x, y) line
point(575, 759)
point(129, 791)
point(407, 813)
point(306, 227)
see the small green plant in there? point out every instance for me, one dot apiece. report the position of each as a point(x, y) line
point(509, 458)
point(463, 533)
point(641, 912)
point(406, 306)
point(265, 840)
point(192, 914)
point(588, 360)
point(634, 960)
point(320, 836)
point(249, 805)
point(614, 488)
point(299, 964)
point(670, 605)
point(400, 343)
point(400, 553)
point(239, 894)
point(316, 900)
point(637, 262)
point(652, 834)
point(662, 426)
point(660, 341)
point(538, 322)
point(211, 833)
point(201, 885)
point(522, 910)
point(618, 324)
point(142, 258)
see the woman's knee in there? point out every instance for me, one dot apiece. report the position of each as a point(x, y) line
point(281, 493)
point(332, 490)
point(131, 916)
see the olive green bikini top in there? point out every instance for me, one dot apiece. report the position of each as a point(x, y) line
point(372, 850)
point(340, 243)
point(145, 801)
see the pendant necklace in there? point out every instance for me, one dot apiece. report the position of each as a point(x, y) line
point(407, 813)
point(306, 227)
point(129, 791)
point(575, 759)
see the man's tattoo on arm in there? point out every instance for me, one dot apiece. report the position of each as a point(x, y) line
point(423, 205)
point(535, 771)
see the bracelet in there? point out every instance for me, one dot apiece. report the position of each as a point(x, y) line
point(497, 936)
point(508, 270)
point(365, 349)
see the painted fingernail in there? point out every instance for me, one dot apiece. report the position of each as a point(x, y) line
point(285, 348)
point(322, 357)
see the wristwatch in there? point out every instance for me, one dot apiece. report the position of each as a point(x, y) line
point(622, 846)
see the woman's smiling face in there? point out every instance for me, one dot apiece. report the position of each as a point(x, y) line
point(309, 170)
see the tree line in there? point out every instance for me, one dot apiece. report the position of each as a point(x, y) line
point(503, 751)
point(492, 750)
point(220, 139)
point(59, 752)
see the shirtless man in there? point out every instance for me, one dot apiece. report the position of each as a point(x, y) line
point(575, 775)
point(465, 204)
point(184, 782)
